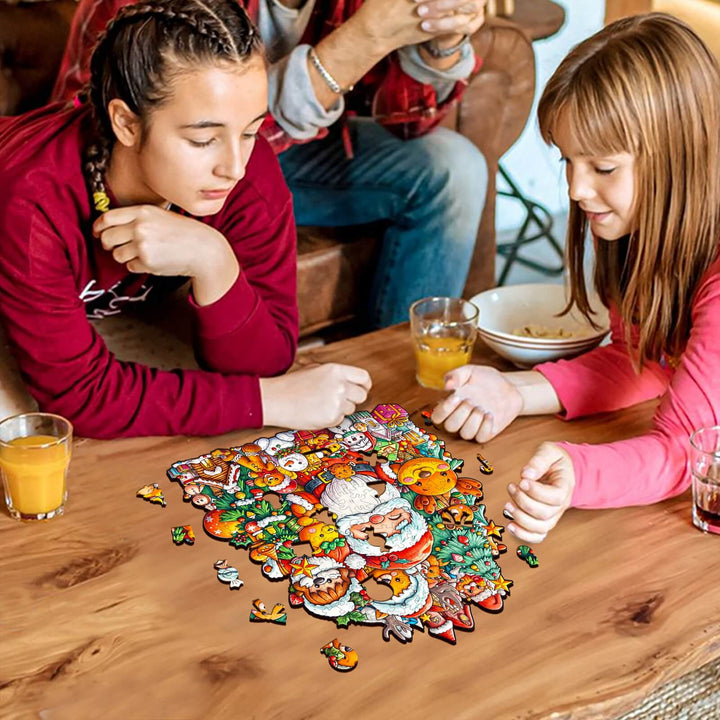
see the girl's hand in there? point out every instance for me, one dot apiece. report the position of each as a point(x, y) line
point(148, 239)
point(449, 20)
point(544, 494)
point(483, 403)
point(313, 398)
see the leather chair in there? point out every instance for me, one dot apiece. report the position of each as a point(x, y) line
point(334, 265)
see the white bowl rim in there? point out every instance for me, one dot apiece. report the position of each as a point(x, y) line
point(535, 342)
point(519, 341)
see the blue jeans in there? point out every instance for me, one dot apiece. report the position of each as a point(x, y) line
point(430, 189)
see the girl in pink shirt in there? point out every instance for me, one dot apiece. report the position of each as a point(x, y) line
point(160, 179)
point(635, 112)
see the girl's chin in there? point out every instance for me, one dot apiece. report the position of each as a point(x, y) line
point(203, 207)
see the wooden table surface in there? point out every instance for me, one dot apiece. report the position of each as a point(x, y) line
point(102, 616)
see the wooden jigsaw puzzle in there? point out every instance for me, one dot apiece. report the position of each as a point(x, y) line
point(375, 499)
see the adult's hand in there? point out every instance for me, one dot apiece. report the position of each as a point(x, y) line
point(314, 398)
point(448, 21)
point(390, 24)
point(483, 403)
point(544, 493)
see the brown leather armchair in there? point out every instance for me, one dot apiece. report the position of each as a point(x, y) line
point(334, 265)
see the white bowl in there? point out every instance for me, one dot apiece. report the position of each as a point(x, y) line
point(504, 309)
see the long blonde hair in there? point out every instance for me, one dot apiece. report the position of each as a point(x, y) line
point(646, 85)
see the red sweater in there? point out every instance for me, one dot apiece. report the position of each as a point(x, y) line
point(54, 274)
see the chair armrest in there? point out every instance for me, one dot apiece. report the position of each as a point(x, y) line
point(497, 102)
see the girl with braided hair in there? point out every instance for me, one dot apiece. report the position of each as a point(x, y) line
point(160, 178)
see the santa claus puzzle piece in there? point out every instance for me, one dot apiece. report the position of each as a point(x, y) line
point(405, 519)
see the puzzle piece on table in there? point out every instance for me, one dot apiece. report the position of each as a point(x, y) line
point(260, 613)
point(151, 493)
point(340, 657)
point(183, 534)
point(524, 552)
point(485, 467)
point(375, 498)
point(426, 415)
point(228, 574)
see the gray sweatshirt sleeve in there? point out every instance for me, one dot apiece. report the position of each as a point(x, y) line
point(443, 81)
point(292, 98)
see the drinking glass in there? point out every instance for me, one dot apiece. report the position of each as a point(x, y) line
point(35, 451)
point(705, 468)
point(443, 331)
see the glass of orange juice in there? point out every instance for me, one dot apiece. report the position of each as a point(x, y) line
point(35, 453)
point(443, 331)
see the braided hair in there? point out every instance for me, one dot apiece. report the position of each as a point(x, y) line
point(140, 49)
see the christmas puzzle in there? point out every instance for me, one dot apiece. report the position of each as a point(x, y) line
point(375, 499)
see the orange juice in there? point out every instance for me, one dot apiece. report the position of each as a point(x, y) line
point(34, 476)
point(437, 355)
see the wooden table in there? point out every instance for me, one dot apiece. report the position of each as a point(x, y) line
point(102, 616)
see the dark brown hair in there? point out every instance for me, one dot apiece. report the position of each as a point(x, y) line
point(143, 48)
point(646, 85)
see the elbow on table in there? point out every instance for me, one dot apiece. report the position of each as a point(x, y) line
point(258, 359)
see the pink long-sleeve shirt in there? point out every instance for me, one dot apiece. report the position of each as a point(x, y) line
point(653, 466)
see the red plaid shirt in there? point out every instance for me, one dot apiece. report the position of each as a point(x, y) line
point(405, 106)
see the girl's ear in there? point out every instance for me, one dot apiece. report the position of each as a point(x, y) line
point(125, 123)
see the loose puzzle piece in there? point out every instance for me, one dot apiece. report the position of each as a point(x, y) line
point(228, 574)
point(526, 553)
point(260, 613)
point(426, 415)
point(485, 467)
point(375, 499)
point(183, 534)
point(152, 493)
point(341, 657)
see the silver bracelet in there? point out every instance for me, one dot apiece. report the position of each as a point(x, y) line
point(331, 82)
point(437, 52)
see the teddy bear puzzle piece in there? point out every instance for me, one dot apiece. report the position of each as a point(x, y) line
point(228, 574)
point(260, 613)
point(375, 499)
point(152, 493)
point(340, 657)
point(183, 534)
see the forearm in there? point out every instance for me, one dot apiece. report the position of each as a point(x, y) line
point(538, 395)
point(347, 53)
point(216, 272)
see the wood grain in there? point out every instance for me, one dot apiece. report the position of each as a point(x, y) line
point(103, 616)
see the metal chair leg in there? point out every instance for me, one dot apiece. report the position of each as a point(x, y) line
point(534, 213)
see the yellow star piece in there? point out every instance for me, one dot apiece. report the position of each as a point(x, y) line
point(493, 529)
point(303, 566)
point(502, 584)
